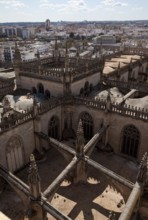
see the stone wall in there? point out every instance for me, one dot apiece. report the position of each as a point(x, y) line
point(55, 88)
point(42, 125)
point(45, 119)
point(124, 76)
point(25, 132)
point(77, 85)
point(117, 124)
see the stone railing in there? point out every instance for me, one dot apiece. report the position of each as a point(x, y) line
point(51, 77)
point(136, 51)
point(49, 104)
point(128, 111)
point(126, 50)
point(142, 87)
point(100, 105)
point(14, 120)
point(86, 72)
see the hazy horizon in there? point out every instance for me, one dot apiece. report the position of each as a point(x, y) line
point(73, 21)
point(72, 10)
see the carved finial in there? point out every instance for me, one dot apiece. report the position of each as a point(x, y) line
point(143, 169)
point(66, 62)
point(108, 102)
point(35, 106)
point(6, 104)
point(34, 179)
point(80, 129)
point(56, 44)
point(38, 55)
point(66, 48)
point(80, 138)
point(143, 159)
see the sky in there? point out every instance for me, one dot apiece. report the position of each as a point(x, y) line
point(72, 10)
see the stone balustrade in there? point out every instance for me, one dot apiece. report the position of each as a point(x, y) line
point(142, 87)
point(48, 105)
point(127, 111)
point(51, 77)
point(42, 108)
point(15, 120)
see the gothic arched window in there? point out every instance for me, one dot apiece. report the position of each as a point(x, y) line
point(130, 140)
point(47, 93)
point(53, 128)
point(86, 85)
point(40, 88)
point(81, 91)
point(34, 91)
point(15, 153)
point(87, 122)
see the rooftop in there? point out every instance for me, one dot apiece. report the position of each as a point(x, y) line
point(92, 200)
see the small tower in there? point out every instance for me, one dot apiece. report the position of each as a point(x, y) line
point(17, 65)
point(143, 170)
point(6, 104)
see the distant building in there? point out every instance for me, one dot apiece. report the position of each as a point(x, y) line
point(10, 31)
point(8, 54)
point(104, 39)
point(25, 33)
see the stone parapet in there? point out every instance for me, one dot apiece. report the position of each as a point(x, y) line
point(142, 87)
point(10, 122)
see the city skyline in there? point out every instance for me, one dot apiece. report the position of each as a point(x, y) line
point(72, 10)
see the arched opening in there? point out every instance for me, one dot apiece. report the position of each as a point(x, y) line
point(34, 90)
point(15, 153)
point(53, 128)
point(40, 88)
point(47, 93)
point(81, 91)
point(130, 140)
point(91, 87)
point(86, 88)
point(86, 85)
point(87, 122)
